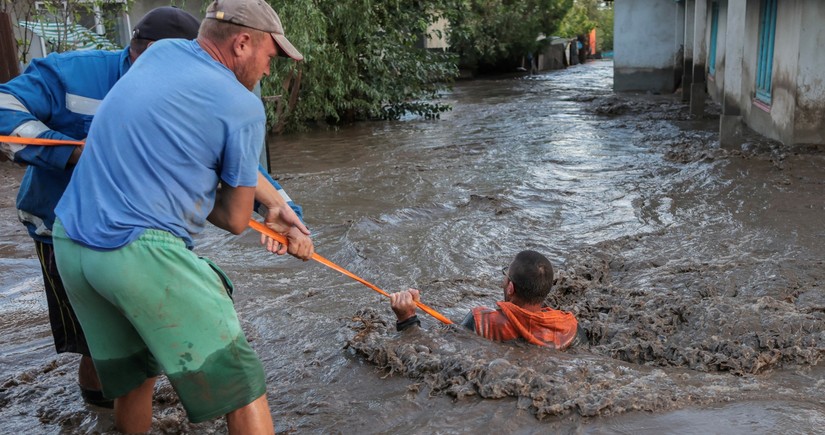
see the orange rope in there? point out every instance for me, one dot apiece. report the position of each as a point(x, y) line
point(36, 141)
point(263, 229)
point(257, 226)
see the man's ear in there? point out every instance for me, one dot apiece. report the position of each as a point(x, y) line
point(242, 44)
point(510, 290)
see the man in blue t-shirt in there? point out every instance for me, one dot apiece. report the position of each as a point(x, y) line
point(188, 133)
point(56, 98)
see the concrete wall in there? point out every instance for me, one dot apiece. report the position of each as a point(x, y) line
point(777, 120)
point(701, 36)
point(809, 119)
point(645, 56)
point(755, 115)
point(716, 82)
point(733, 97)
point(785, 68)
point(679, 44)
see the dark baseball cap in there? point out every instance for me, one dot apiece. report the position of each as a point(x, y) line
point(255, 14)
point(166, 22)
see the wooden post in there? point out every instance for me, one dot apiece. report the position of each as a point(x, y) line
point(8, 50)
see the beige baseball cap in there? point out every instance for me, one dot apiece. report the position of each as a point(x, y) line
point(255, 14)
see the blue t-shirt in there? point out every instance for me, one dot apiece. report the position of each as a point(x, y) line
point(162, 139)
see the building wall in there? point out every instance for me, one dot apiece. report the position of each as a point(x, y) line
point(645, 55)
point(716, 82)
point(786, 68)
point(754, 115)
point(809, 119)
point(734, 36)
point(777, 120)
point(679, 44)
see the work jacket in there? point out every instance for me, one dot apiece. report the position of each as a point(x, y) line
point(55, 98)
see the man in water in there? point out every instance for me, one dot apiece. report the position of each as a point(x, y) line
point(521, 315)
point(187, 153)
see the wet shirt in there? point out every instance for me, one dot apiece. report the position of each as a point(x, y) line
point(548, 327)
point(164, 136)
point(55, 98)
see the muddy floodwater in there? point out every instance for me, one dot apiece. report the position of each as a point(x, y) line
point(696, 271)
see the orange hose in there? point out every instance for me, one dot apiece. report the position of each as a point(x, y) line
point(263, 229)
point(36, 141)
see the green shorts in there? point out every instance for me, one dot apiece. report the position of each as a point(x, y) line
point(153, 306)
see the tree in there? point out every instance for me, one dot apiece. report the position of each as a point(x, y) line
point(584, 16)
point(59, 17)
point(493, 35)
point(362, 60)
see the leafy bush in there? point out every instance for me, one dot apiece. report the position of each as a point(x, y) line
point(493, 35)
point(362, 60)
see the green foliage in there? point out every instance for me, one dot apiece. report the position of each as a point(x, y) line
point(491, 34)
point(605, 29)
point(586, 15)
point(63, 14)
point(576, 22)
point(362, 60)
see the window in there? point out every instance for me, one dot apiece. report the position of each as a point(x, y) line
point(714, 32)
point(764, 60)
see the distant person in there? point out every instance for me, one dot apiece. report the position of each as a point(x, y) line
point(521, 315)
point(56, 98)
point(175, 144)
point(530, 67)
point(583, 46)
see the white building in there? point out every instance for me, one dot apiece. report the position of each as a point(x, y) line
point(758, 58)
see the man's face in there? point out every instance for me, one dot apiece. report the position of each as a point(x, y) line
point(253, 67)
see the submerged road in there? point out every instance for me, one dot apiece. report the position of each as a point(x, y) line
point(696, 272)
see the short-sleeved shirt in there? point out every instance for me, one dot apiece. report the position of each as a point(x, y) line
point(162, 139)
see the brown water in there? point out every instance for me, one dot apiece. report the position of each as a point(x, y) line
point(696, 272)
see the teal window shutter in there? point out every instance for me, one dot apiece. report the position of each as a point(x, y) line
point(764, 60)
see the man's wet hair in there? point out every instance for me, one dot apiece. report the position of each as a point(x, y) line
point(532, 276)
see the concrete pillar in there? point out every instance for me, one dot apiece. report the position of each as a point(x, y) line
point(700, 55)
point(687, 70)
point(731, 125)
point(679, 45)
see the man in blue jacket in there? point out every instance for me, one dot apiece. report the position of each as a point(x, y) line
point(56, 98)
